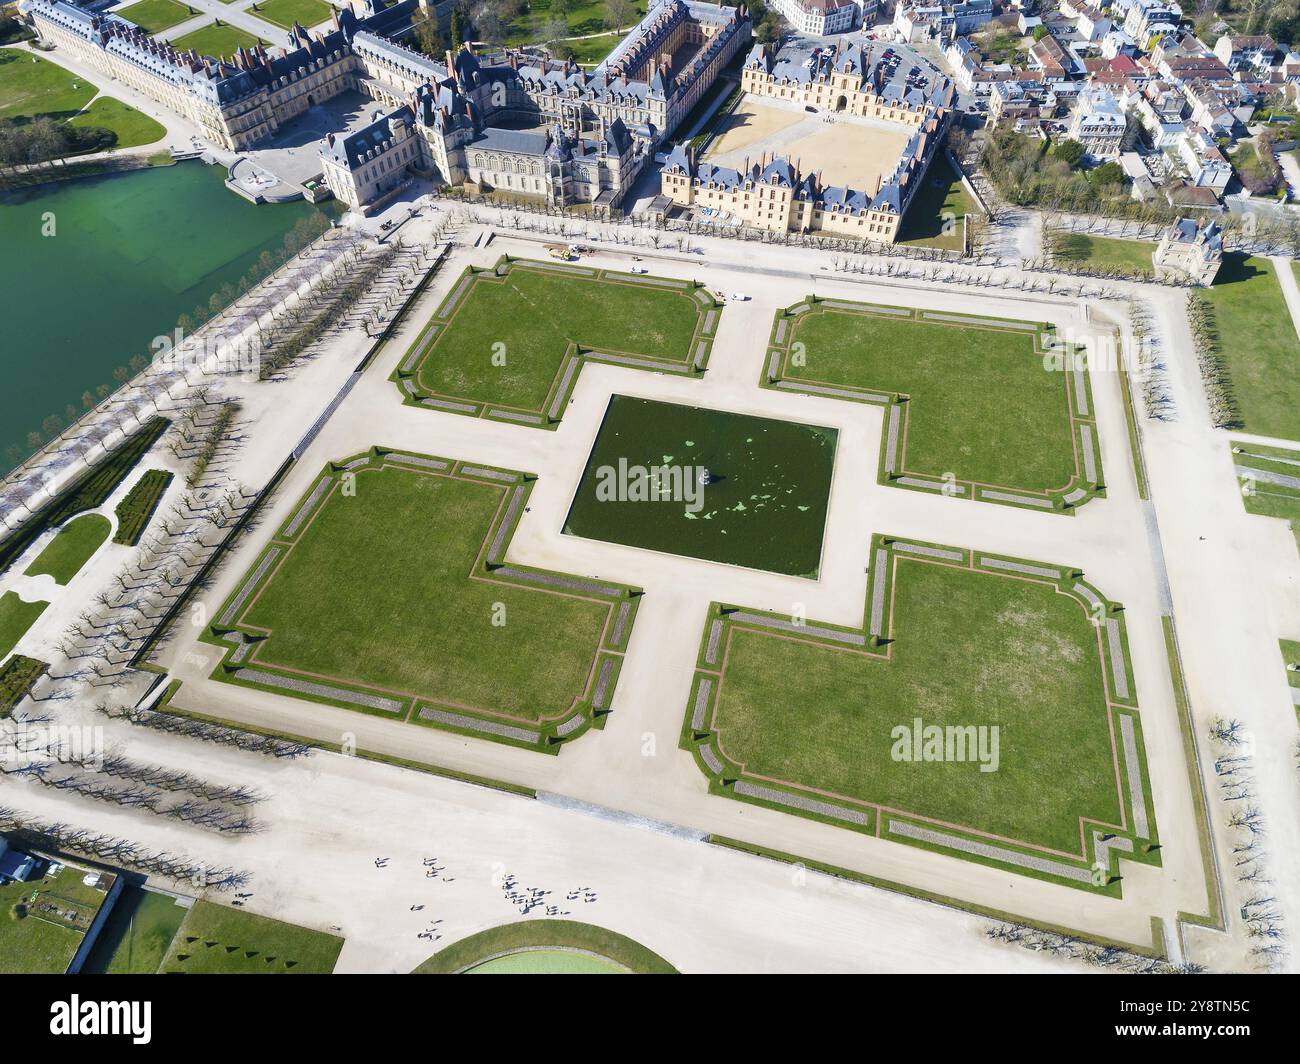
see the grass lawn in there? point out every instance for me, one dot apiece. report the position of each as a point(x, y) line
point(590, 50)
point(1266, 475)
point(136, 936)
point(71, 548)
point(410, 610)
point(469, 952)
point(1259, 344)
point(216, 940)
point(936, 216)
point(16, 616)
point(217, 40)
point(133, 128)
point(508, 337)
point(1104, 253)
point(1291, 659)
point(56, 911)
point(584, 17)
point(982, 406)
point(968, 648)
point(153, 16)
point(286, 12)
point(30, 86)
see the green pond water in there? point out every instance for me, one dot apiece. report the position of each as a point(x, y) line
point(547, 962)
point(707, 484)
point(130, 253)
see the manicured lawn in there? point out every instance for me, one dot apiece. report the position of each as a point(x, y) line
point(16, 616)
point(1267, 475)
point(936, 215)
point(1103, 253)
point(30, 86)
point(217, 40)
point(983, 407)
point(286, 12)
point(406, 608)
point(137, 934)
point(1259, 344)
point(969, 648)
point(133, 128)
point(218, 940)
point(153, 16)
point(71, 548)
point(508, 337)
point(468, 953)
point(43, 921)
point(1291, 660)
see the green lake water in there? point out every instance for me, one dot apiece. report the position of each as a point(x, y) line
point(762, 504)
point(547, 962)
point(130, 253)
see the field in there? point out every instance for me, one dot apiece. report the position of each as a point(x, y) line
point(132, 128)
point(1291, 659)
point(584, 17)
point(216, 940)
point(974, 408)
point(16, 616)
point(1259, 345)
point(285, 13)
point(154, 16)
point(43, 921)
point(504, 343)
point(1270, 481)
point(1022, 657)
point(1084, 251)
point(936, 216)
point(137, 934)
point(31, 86)
point(420, 619)
point(217, 40)
point(71, 548)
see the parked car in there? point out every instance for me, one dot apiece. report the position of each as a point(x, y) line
point(639, 269)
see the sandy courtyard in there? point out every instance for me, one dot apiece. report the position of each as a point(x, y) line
point(847, 152)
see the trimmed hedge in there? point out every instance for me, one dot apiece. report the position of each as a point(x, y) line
point(88, 491)
point(135, 511)
point(17, 675)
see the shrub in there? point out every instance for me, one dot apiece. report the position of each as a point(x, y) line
point(135, 510)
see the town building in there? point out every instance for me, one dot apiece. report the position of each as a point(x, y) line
point(1098, 124)
point(1190, 249)
point(821, 18)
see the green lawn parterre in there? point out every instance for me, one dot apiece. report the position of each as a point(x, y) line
point(217, 40)
point(1270, 481)
point(983, 408)
point(801, 717)
point(1085, 251)
point(71, 548)
point(218, 940)
point(1259, 345)
point(419, 617)
point(138, 505)
point(16, 617)
point(132, 128)
point(508, 342)
point(154, 16)
point(496, 942)
point(285, 13)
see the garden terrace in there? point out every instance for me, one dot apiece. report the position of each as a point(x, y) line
point(974, 407)
point(820, 720)
point(508, 342)
point(423, 618)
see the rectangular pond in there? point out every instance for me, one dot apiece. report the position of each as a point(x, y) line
point(708, 484)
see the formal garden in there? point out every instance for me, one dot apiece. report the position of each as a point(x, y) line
point(984, 708)
point(388, 591)
point(509, 341)
point(949, 423)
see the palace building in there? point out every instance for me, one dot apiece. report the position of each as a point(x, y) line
point(506, 122)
